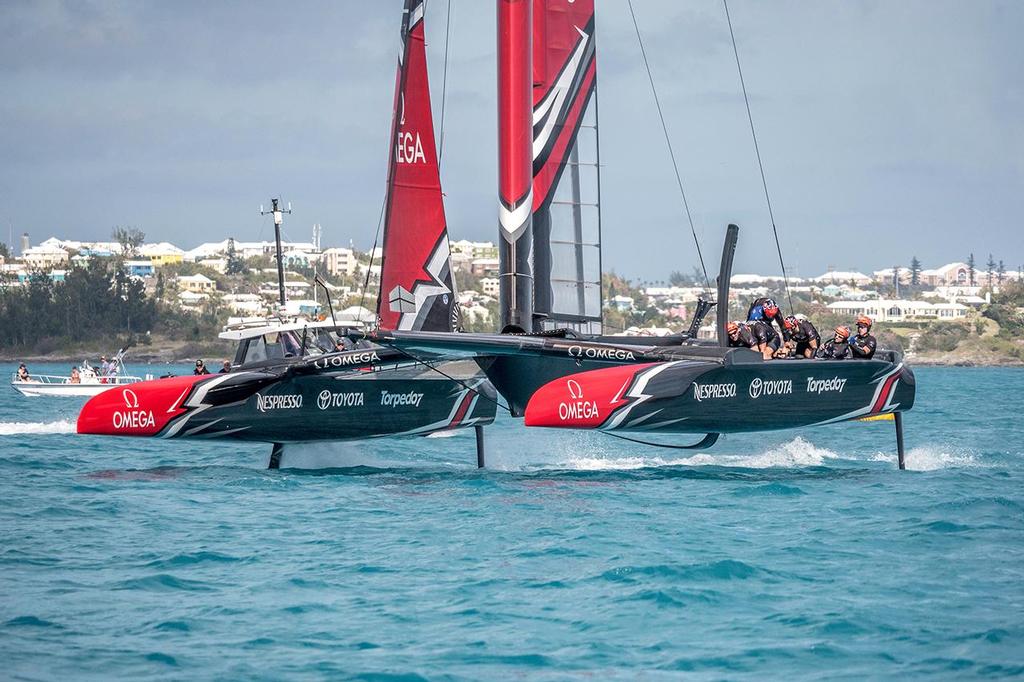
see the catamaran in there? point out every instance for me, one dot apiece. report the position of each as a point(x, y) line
point(300, 382)
point(551, 364)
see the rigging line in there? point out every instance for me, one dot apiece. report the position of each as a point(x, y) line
point(668, 142)
point(369, 266)
point(444, 84)
point(466, 386)
point(757, 151)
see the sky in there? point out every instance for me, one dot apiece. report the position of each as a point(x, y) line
point(888, 129)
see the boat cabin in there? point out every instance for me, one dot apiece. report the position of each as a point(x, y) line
point(273, 342)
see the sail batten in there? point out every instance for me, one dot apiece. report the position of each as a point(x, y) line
point(417, 288)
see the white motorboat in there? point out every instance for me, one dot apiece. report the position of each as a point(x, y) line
point(90, 381)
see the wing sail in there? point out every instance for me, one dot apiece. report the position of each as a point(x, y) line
point(566, 170)
point(417, 288)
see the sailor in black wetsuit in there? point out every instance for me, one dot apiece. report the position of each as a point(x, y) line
point(766, 311)
point(836, 348)
point(863, 344)
point(803, 334)
point(750, 335)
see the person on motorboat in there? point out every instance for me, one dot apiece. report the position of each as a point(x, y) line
point(836, 348)
point(76, 378)
point(200, 368)
point(225, 367)
point(23, 374)
point(752, 335)
point(104, 366)
point(803, 334)
point(863, 344)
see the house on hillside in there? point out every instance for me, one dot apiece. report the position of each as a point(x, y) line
point(196, 284)
point(843, 277)
point(44, 257)
point(951, 274)
point(897, 310)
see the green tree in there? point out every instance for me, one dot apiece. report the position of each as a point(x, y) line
point(990, 269)
point(5, 251)
point(970, 270)
point(1000, 272)
point(235, 263)
point(915, 272)
point(130, 239)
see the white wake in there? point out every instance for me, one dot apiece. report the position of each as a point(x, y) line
point(22, 428)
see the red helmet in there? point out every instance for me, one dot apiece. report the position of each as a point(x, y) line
point(843, 332)
point(770, 308)
point(864, 321)
point(791, 322)
point(732, 327)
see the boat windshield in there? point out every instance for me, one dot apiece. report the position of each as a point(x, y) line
point(287, 344)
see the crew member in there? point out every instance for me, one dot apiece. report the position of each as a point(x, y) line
point(752, 335)
point(836, 348)
point(225, 367)
point(803, 334)
point(23, 373)
point(863, 344)
point(766, 310)
point(200, 368)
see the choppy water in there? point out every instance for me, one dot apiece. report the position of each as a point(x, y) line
point(788, 554)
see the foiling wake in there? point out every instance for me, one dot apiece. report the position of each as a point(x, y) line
point(795, 454)
point(45, 428)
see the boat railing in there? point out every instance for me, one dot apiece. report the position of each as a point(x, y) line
point(50, 379)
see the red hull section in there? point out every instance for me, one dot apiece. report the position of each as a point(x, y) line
point(141, 409)
point(583, 400)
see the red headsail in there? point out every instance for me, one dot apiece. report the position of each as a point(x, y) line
point(417, 290)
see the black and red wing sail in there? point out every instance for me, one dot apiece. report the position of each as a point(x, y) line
point(566, 210)
point(417, 290)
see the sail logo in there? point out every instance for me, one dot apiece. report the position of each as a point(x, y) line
point(600, 353)
point(409, 148)
point(759, 387)
point(328, 399)
point(819, 386)
point(411, 399)
point(705, 391)
point(132, 417)
point(577, 407)
point(265, 403)
point(364, 358)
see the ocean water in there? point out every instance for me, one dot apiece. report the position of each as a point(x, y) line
point(575, 555)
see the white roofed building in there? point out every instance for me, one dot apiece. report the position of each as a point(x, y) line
point(44, 257)
point(843, 277)
point(897, 310)
point(951, 274)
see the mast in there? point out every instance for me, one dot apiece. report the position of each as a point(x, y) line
point(417, 289)
point(515, 163)
point(278, 214)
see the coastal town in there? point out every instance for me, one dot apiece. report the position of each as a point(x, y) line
point(232, 281)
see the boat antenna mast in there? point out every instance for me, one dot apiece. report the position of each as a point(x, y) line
point(757, 151)
point(278, 213)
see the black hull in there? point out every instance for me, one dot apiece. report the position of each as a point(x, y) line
point(696, 397)
point(324, 405)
